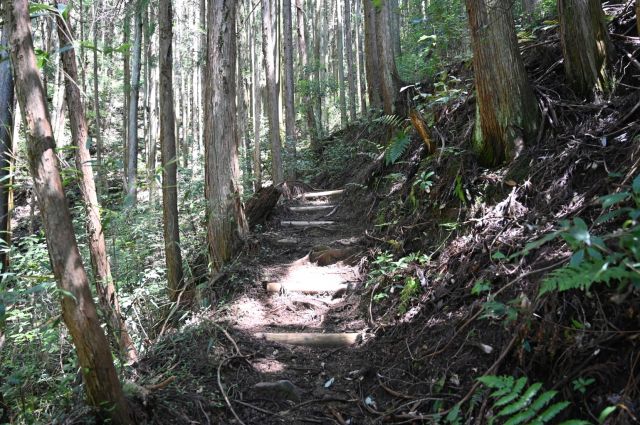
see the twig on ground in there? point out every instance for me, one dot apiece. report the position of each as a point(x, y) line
point(224, 394)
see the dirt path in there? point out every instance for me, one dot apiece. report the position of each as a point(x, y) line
point(301, 324)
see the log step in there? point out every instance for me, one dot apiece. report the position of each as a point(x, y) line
point(312, 208)
point(317, 340)
point(306, 223)
point(323, 194)
point(306, 288)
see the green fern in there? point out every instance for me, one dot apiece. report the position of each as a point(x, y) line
point(584, 275)
point(392, 121)
point(397, 147)
point(518, 404)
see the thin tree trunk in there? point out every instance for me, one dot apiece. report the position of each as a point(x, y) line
point(7, 109)
point(340, 64)
point(351, 69)
point(78, 310)
point(362, 82)
point(97, 247)
point(227, 225)
point(96, 103)
point(169, 158)
point(269, 34)
point(507, 114)
point(127, 94)
point(132, 133)
point(586, 46)
point(257, 110)
point(307, 106)
point(289, 110)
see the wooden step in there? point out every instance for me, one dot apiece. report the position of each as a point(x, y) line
point(306, 223)
point(312, 208)
point(306, 287)
point(323, 194)
point(307, 339)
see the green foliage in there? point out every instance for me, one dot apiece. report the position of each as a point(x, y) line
point(516, 403)
point(595, 261)
point(424, 181)
point(397, 146)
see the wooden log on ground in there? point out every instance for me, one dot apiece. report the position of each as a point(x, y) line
point(306, 223)
point(307, 339)
point(323, 194)
point(312, 208)
point(259, 208)
point(304, 288)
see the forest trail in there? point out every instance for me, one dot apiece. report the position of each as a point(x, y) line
point(301, 322)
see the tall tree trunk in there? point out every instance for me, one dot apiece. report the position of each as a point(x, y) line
point(394, 22)
point(96, 102)
point(127, 93)
point(529, 9)
point(342, 97)
point(132, 133)
point(317, 48)
point(227, 225)
point(78, 310)
point(351, 69)
point(372, 52)
point(362, 82)
point(169, 158)
point(507, 114)
point(269, 33)
point(257, 110)
point(306, 75)
point(7, 109)
point(97, 247)
point(586, 46)
point(289, 110)
point(388, 72)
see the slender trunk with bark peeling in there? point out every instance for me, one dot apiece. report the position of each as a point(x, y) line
point(270, 58)
point(507, 114)
point(289, 110)
point(226, 222)
point(586, 46)
point(78, 310)
point(168, 154)
point(132, 133)
point(7, 109)
point(97, 247)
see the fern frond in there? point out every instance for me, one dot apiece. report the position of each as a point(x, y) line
point(393, 121)
point(583, 276)
point(397, 147)
point(527, 409)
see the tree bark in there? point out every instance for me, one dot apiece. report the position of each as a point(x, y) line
point(388, 72)
point(307, 106)
point(169, 159)
point(270, 59)
point(227, 225)
point(7, 109)
point(289, 110)
point(96, 102)
point(132, 133)
point(351, 69)
point(586, 46)
point(362, 83)
point(257, 112)
point(372, 65)
point(342, 99)
point(507, 114)
point(78, 310)
point(97, 247)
